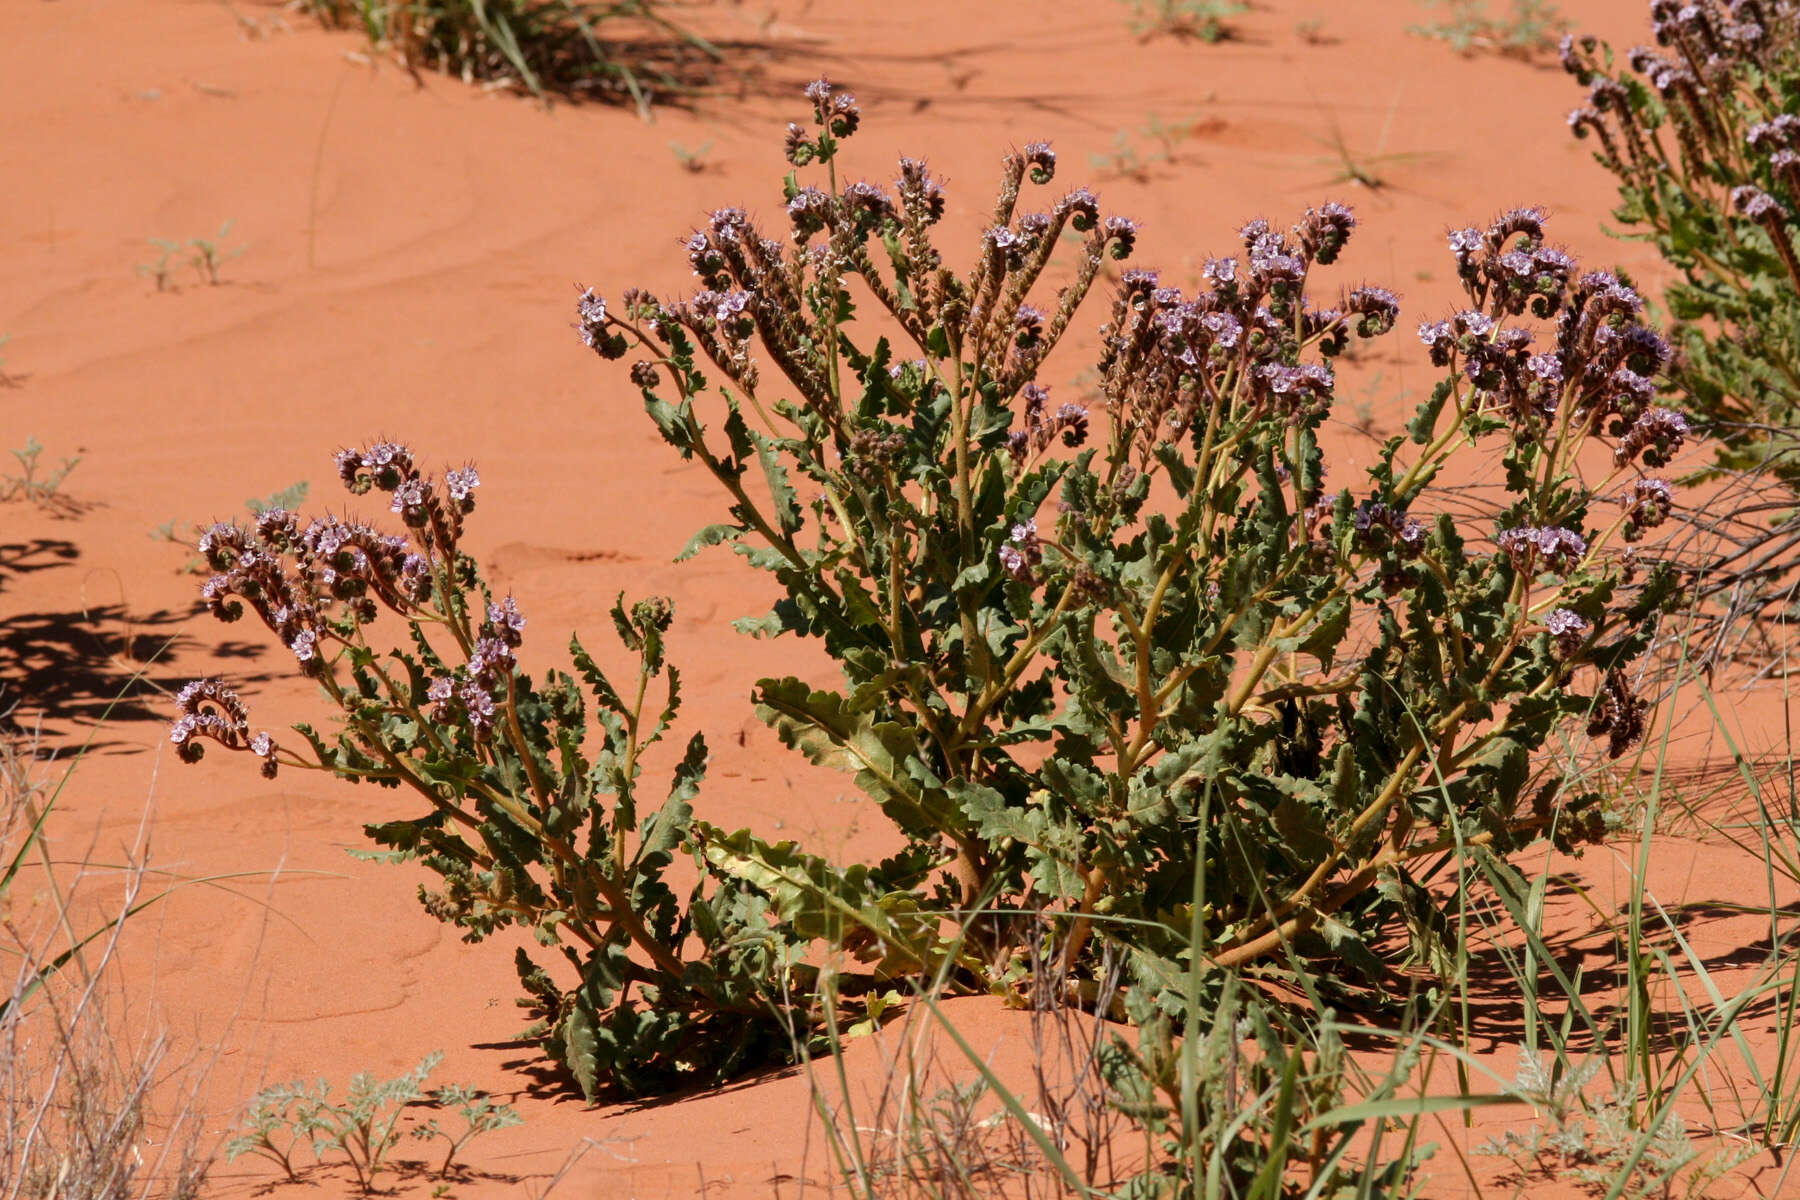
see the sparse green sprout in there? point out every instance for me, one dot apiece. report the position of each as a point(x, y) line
point(161, 269)
point(692, 160)
point(207, 255)
point(1124, 159)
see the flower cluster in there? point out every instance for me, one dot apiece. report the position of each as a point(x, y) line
point(316, 584)
point(758, 290)
point(1604, 359)
point(1726, 193)
point(1069, 421)
point(1568, 629)
point(1022, 552)
point(1166, 356)
point(1554, 549)
point(467, 694)
point(1619, 713)
point(1380, 528)
point(209, 708)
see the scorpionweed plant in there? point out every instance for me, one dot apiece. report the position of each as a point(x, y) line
point(1087, 649)
point(1702, 135)
point(1127, 669)
point(527, 823)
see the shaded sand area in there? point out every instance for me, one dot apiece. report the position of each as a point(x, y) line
point(408, 249)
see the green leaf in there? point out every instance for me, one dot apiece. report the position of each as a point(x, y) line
point(581, 1048)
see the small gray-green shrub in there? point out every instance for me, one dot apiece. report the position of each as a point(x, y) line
point(34, 482)
point(365, 1126)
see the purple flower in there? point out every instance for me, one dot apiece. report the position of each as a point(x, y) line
point(1042, 160)
point(1220, 271)
point(1376, 309)
point(1657, 435)
point(479, 706)
point(411, 501)
point(1546, 368)
point(1022, 552)
point(1082, 207)
point(508, 622)
point(1122, 232)
point(590, 311)
point(461, 482)
point(1072, 420)
point(810, 211)
point(1554, 548)
point(1036, 397)
point(1441, 339)
point(491, 661)
point(1647, 504)
point(1225, 328)
point(442, 694)
point(1755, 203)
point(1138, 281)
point(1783, 130)
point(1475, 324)
point(1567, 629)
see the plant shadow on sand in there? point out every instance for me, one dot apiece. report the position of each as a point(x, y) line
point(544, 1079)
point(1593, 953)
point(407, 1174)
point(79, 664)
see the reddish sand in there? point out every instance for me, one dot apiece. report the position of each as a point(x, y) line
point(408, 256)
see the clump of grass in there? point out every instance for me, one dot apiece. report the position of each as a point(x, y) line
point(1527, 29)
point(621, 50)
point(1365, 168)
point(78, 1094)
